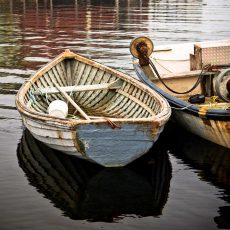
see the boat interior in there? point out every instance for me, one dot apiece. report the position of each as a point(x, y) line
point(91, 89)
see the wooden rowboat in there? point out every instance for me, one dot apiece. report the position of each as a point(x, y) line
point(112, 118)
point(195, 79)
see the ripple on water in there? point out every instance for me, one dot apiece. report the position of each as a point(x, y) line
point(31, 34)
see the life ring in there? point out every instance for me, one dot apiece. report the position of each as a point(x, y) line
point(222, 85)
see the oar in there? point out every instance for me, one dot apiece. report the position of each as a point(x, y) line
point(72, 101)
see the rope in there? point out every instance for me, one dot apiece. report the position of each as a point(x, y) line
point(183, 108)
point(156, 60)
point(174, 60)
point(32, 97)
point(111, 123)
point(205, 67)
point(44, 95)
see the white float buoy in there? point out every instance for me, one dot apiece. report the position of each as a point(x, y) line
point(58, 108)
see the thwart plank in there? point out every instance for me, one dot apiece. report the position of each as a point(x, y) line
point(79, 88)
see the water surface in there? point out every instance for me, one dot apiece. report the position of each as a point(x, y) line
point(182, 183)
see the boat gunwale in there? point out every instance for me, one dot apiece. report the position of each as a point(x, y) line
point(160, 118)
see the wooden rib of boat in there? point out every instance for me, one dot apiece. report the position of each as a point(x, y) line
point(112, 118)
point(194, 78)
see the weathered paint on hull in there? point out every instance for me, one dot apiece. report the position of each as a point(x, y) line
point(212, 130)
point(99, 143)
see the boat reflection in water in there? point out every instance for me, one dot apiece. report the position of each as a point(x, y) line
point(212, 161)
point(87, 191)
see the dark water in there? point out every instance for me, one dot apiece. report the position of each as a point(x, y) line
point(183, 183)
